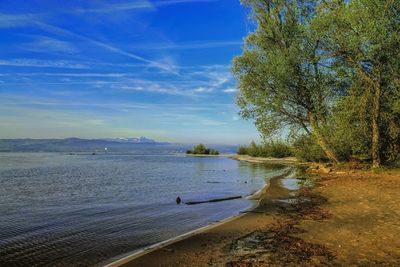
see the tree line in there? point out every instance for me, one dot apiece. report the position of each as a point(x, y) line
point(327, 73)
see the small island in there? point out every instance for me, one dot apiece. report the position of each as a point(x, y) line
point(202, 150)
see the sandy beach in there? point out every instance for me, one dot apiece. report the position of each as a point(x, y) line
point(280, 161)
point(341, 218)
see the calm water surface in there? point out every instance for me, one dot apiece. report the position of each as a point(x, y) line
point(67, 210)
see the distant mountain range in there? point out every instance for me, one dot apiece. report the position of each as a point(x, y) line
point(74, 144)
point(136, 140)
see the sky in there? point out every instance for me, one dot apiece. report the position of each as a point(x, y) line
point(97, 69)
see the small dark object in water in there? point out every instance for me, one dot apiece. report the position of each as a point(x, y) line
point(178, 200)
point(245, 182)
point(93, 153)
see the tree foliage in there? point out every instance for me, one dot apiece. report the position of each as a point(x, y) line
point(326, 71)
point(362, 38)
point(282, 79)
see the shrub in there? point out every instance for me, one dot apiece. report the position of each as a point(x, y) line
point(202, 150)
point(242, 150)
point(276, 149)
point(306, 149)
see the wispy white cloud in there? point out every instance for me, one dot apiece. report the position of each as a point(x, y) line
point(211, 67)
point(16, 100)
point(60, 74)
point(140, 4)
point(230, 90)
point(193, 82)
point(204, 82)
point(204, 90)
point(97, 83)
point(198, 71)
point(68, 64)
point(46, 44)
point(216, 79)
point(13, 106)
point(137, 5)
point(218, 74)
point(141, 85)
point(43, 63)
point(16, 20)
point(165, 64)
point(6, 20)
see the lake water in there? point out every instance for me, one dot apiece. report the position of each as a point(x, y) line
point(59, 209)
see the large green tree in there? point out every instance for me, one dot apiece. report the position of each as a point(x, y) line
point(283, 79)
point(362, 37)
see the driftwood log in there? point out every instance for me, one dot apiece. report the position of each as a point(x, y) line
point(212, 200)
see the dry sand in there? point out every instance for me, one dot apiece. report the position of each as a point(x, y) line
point(364, 226)
point(347, 218)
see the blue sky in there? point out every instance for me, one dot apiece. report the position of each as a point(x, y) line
point(95, 69)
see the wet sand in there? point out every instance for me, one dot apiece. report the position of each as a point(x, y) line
point(341, 218)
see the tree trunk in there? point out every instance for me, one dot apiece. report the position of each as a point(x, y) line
point(375, 149)
point(322, 142)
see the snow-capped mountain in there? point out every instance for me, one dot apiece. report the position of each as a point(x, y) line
point(136, 140)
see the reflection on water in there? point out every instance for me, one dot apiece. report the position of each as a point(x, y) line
point(58, 209)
